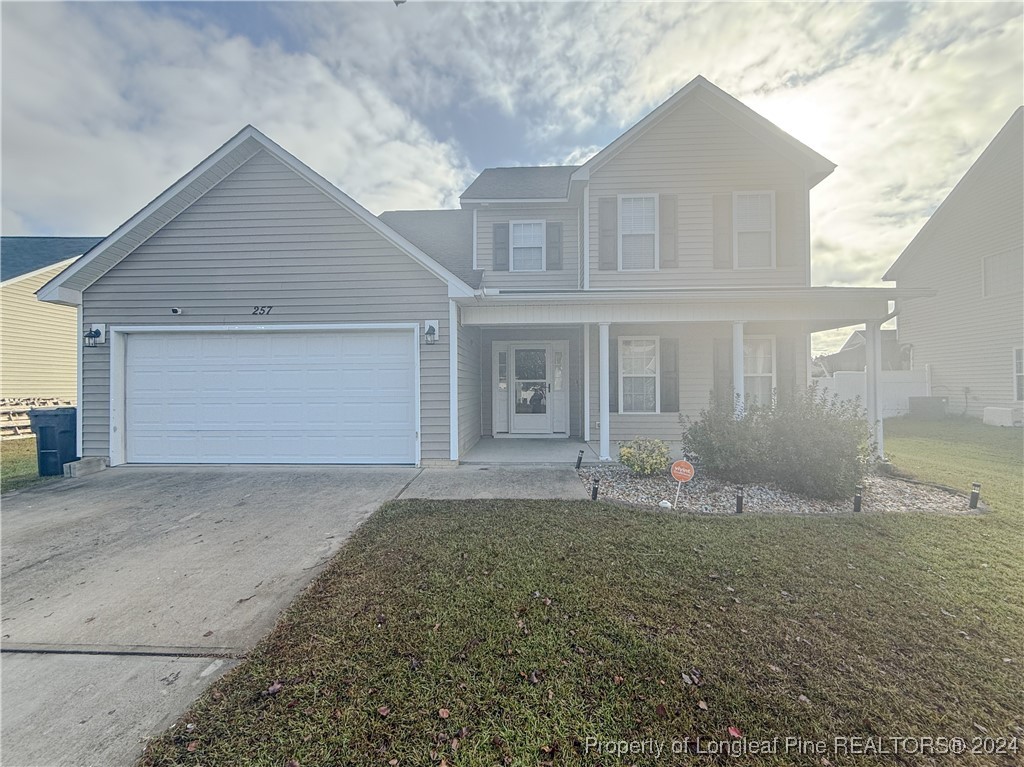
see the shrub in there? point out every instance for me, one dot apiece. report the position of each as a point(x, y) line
point(809, 443)
point(644, 457)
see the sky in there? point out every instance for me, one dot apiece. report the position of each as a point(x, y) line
point(105, 105)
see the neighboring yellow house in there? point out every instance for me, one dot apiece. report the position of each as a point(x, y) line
point(38, 341)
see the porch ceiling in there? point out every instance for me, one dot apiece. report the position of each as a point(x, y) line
point(813, 308)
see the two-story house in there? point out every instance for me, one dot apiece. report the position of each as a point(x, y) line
point(256, 313)
point(970, 336)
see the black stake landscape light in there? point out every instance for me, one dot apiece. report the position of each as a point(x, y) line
point(856, 499)
point(579, 460)
point(975, 494)
point(739, 501)
point(593, 491)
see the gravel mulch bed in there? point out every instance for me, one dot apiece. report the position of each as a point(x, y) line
point(706, 495)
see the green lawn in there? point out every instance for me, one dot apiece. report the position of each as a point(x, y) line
point(500, 632)
point(18, 467)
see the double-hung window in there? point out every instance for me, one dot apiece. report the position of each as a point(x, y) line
point(639, 390)
point(754, 230)
point(527, 246)
point(759, 369)
point(1018, 374)
point(638, 233)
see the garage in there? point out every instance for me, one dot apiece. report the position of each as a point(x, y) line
point(266, 395)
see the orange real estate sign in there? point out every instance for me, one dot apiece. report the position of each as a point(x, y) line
point(682, 471)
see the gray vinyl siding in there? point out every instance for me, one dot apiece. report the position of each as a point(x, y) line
point(264, 236)
point(566, 278)
point(574, 351)
point(693, 153)
point(965, 337)
point(696, 373)
point(38, 342)
point(469, 388)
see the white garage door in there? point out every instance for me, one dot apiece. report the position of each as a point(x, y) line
point(270, 397)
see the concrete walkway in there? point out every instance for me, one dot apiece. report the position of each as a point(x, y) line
point(471, 481)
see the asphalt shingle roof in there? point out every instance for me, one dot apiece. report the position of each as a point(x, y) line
point(444, 235)
point(525, 183)
point(21, 255)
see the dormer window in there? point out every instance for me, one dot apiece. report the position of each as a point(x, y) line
point(638, 233)
point(527, 246)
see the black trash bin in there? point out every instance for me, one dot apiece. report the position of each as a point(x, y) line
point(55, 430)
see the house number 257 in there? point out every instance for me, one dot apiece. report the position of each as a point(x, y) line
point(261, 309)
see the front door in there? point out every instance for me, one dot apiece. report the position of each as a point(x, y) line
point(531, 389)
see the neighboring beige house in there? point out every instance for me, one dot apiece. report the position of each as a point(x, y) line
point(38, 342)
point(256, 313)
point(971, 252)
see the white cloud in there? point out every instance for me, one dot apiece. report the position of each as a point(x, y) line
point(104, 107)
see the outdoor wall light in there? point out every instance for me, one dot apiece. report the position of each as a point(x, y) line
point(97, 334)
point(430, 332)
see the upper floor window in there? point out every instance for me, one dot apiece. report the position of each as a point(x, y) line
point(759, 369)
point(527, 246)
point(638, 233)
point(639, 390)
point(754, 230)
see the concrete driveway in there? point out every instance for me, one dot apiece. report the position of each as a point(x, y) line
point(126, 593)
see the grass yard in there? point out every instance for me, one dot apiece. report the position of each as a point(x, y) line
point(18, 467)
point(500, 632)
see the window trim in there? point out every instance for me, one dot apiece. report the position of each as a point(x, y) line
point(512, 245)
point(736, 233)
point(1017, 375)
point(657, 228)
point(775, 365)
point(657, 374)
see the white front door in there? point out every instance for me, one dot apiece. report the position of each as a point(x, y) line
point(529, 396)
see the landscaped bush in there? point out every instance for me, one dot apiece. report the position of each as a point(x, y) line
point(809, 443)
point(644, 456)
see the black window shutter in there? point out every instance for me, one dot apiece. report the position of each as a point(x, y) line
point(787, 251)
point(553, 245)
point(500, 245)
point(608, 233)
point(668, 245)
point(669, 375)
point(723, 371)
point(722, 230)
point(613, 375)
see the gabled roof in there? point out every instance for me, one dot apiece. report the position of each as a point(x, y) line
point(540, 182)
point(731, 108)
point(444, 235)
point(67, 287)
point(21, 255)
point(1010, 136)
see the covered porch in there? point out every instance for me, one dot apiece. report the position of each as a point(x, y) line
point(558, 372)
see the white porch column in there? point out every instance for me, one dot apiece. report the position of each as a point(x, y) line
point(872, 378)
point(737, 367)
point(586, 383)
point(605, 393)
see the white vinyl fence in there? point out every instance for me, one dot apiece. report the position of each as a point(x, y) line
point(897, 386)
